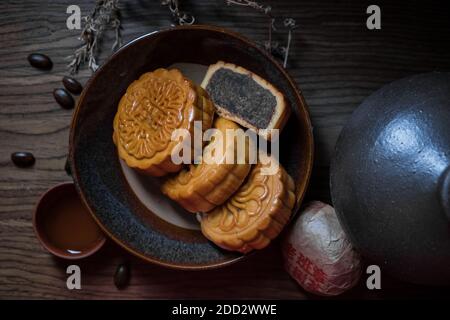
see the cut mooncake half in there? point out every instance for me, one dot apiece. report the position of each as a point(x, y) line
point(246, 98)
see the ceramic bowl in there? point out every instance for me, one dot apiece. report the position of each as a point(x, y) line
point(129, 207)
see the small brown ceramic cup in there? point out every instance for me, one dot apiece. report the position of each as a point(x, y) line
point(48, 207)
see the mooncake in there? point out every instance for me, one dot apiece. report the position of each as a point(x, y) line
point(246, 98)
point(206, 185)
point(255, 214)
point(153, 106)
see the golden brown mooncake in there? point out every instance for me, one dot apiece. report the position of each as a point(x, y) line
point(207, 185)
point(255, 214)
point(152, 108)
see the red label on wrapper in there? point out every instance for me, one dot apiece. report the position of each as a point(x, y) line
point(304, 270)
point(317, 253)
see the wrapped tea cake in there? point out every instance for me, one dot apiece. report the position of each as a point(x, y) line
point(318, 254)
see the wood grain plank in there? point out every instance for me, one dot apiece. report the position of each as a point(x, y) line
point(335, 60)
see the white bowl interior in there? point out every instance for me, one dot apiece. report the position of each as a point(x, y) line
point(148, 189)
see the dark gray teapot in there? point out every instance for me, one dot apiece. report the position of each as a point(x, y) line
point(390, 178)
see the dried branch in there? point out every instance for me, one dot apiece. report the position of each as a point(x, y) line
point(106, 15)
point(270, 46)
point(291, 25)
point(252, 4)
point(261, 8)
point(179, 17)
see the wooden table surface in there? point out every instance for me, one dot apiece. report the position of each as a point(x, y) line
point(335, 59)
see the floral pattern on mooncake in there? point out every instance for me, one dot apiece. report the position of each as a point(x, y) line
point(204, 186)
point(153, 106)
point(255, 214)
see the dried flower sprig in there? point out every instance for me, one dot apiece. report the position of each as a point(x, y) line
point(290, 24)
point(106, 15)
point(179, 17)
point(267, 10)
point(272, 47)
point(252, 4)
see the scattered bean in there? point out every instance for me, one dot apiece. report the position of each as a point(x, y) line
point(23, 159)
point(63, 98)
point(122, 276)
point(68, 168)
point(72, 85)
point(40, 61)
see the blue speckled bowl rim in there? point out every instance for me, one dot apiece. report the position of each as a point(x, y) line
point(302, 108)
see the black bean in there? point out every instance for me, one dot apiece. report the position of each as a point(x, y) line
point(122, 276)
point(72, 85)
point(40, 61)
point(68, 168)
point(63, 98)
point(23, 159)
